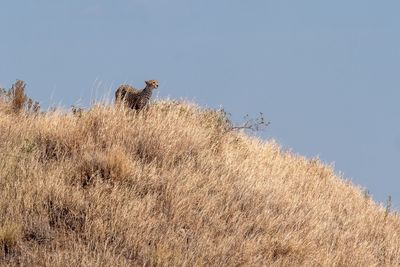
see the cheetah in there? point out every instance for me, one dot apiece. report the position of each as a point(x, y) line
point(133, 98)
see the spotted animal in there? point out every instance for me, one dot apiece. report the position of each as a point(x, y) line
point(134, 98)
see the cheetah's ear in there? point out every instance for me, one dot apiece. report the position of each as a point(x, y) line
point(147, 82)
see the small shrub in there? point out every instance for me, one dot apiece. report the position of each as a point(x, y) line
point(252, 124)
point(18, 97)
point(18, 100)
point(222, 120)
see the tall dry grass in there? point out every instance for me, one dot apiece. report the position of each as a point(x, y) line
point(173, 187)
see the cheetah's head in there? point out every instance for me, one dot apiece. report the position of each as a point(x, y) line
point(153, 84)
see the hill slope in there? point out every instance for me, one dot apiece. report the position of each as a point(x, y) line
point(171, 186)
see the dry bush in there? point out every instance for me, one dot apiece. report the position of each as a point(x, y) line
point(175, 186)
point(16, 99)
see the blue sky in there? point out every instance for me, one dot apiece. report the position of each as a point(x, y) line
point(326, 74)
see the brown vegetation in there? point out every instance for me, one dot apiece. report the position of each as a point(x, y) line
point(173, 187)
point(17, 99)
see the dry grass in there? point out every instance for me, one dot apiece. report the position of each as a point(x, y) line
point(16, 100)
point(171, 187)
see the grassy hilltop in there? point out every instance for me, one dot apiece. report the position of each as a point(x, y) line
point(173, 186)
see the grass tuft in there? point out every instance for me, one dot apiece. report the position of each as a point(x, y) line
point(10, 235)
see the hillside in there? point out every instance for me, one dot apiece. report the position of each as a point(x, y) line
point(173, 186)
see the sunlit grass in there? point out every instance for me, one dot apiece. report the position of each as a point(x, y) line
point(173, 186)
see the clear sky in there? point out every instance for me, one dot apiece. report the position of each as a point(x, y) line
point(325, 73)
